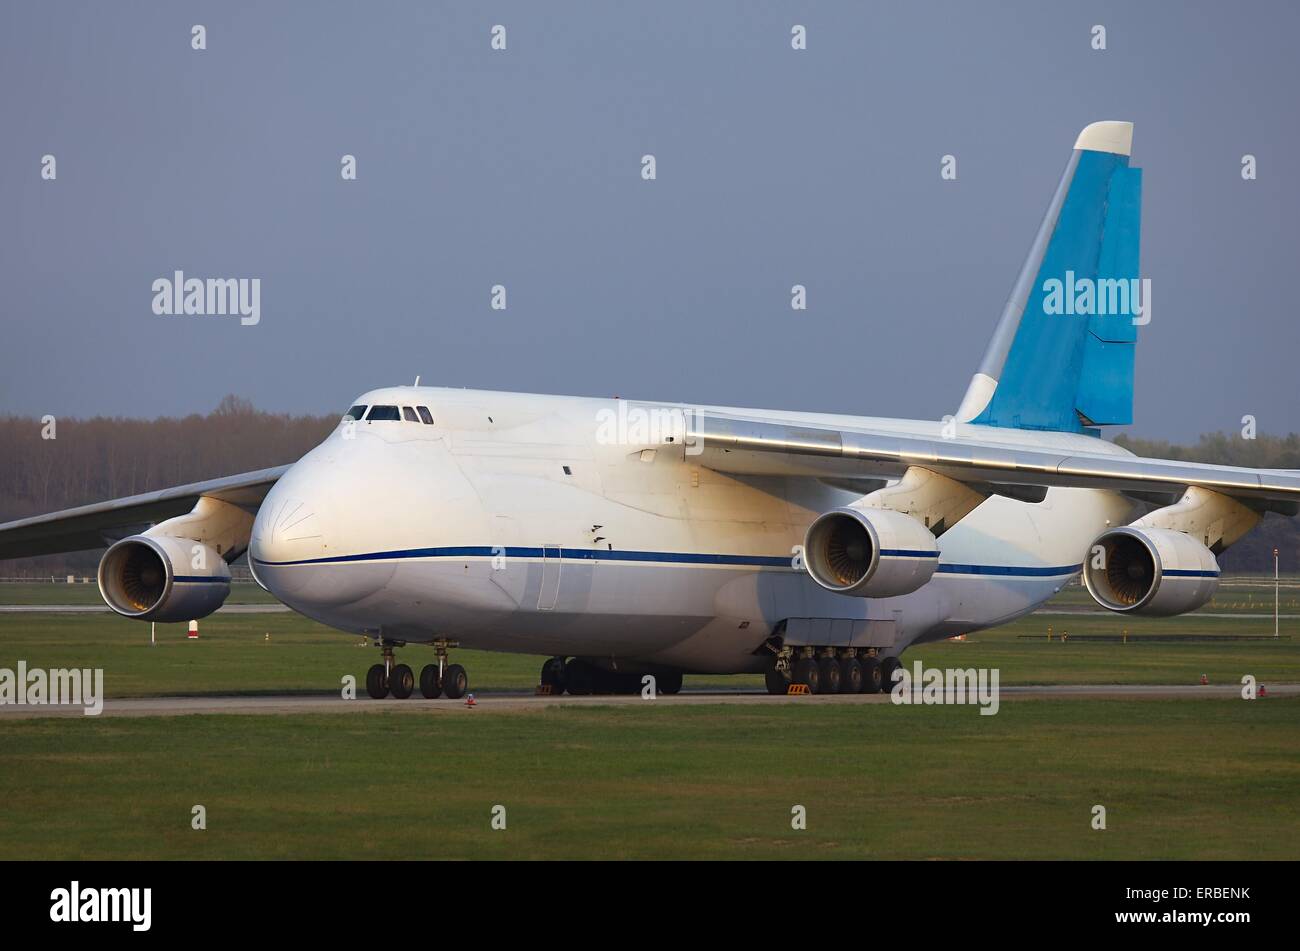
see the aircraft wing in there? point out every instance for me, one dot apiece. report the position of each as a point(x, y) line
point(975, 456)
point(100, 524)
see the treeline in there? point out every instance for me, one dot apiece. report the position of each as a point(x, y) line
point(46, 466)
point(89, 460)
point(1224, 449)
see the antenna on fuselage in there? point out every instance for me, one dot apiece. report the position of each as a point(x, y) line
point(417, 380)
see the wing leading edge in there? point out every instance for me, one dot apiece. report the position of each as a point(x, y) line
point(100, 524)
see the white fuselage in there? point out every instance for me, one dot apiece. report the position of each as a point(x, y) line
point(516, 523)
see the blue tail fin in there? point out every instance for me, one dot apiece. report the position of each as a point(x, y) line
point(1062, 355)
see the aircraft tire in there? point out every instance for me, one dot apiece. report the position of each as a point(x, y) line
point(887, 668)
point(377, 682)
point(401, 682)
point(850, 675)
point(455, 682)
point(553, 675)
point(829, 668)
point(669, 683)
point(870, 675)
point(777, 684)
point(807, 672)
point(603, 681)
point(578, 679)
point(430, 684)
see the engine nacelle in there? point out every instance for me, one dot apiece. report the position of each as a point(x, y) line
point(870, 553)
point(163, 578)
point(1152, 571)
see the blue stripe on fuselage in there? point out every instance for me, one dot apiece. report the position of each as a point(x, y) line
point(1029, 571)
point(659, 557)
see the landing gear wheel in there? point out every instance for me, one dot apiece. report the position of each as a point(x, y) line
point(808, 673)
point(603, 681)
point(455, 682)
point(578, 678)
point(401, 681)
point(669, 683)
point(377, 682)
point(430, 682)
point(553, 675)
point(829, 668)
point(778, 685)
point(887, 668)
point(850, 675)
point(870, 675)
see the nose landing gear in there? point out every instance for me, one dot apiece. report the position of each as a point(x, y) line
point(377, 682)
point(436, 680)
point(379, 677)
point(431, 682)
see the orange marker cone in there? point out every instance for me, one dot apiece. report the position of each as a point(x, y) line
point(193, 635)
point(469, 700)
point(1263, 691)
point(1204, 680)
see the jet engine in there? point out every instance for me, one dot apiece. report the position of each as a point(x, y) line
point(163, 578)
point(1152, 571)
point(870, 553)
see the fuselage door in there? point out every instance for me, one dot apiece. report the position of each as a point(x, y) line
point(550, 589)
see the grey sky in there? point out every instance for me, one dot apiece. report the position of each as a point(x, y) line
point(522, 168)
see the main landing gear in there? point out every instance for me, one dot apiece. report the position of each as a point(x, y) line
point(436, 680)
point(829, 670)
point(581, 678)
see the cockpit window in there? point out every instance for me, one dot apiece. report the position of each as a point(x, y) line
point(356, 412)
point(388, 413)
point(408, 414)
point(425, 416)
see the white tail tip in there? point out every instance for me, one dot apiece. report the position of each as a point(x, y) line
point(1109, 136)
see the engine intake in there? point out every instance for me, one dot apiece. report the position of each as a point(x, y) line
point(870, 553)
point(1150, 571)
point(162, 578)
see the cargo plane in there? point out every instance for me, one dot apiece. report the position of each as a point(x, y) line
point(624, 538)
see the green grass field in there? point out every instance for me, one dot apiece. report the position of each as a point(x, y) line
point(88, 593)
point(235, 655)
point(1240, 595)
point(1197, 778)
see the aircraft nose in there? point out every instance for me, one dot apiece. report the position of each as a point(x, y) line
point(290, 525)
point(297, 550)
